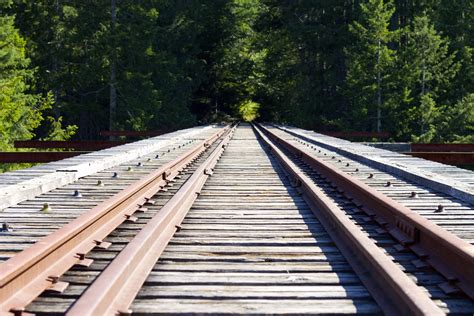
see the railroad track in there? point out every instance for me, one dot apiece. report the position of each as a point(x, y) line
point(251, 220)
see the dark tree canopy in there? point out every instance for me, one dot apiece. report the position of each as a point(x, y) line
point(400, 66)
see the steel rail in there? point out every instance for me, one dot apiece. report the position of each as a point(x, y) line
point(391, 288)
point(38, 268)
point(113, 291)
point(37, 156)
point(70, 144)
point(447, 253)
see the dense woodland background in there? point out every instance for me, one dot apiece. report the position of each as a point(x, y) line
point(74, 68)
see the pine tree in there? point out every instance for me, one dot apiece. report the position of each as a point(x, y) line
point(425, 76)
point(371, 59)
point(429, 65)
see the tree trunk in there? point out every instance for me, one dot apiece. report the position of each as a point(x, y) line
point(55, 61)
point(113, 74)
point(423, 77)
point(379, 90)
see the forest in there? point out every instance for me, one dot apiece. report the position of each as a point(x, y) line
point(70, 69)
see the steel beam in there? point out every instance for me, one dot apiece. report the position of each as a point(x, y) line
point(88, 145)
point(442, 148)
point(449, 158)
point(355, 134)
point(37, 156)
point(133, 133)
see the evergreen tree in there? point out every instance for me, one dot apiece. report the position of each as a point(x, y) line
point(371, 59)
point(428, 62)
point(398, 65)
point(426, 73)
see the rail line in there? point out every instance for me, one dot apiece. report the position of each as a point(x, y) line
point(38, 268)
point(248, 221)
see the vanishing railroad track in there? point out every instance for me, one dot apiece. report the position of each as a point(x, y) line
point(240, 220)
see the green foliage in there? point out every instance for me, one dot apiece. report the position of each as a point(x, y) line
point(402, 66)
point(442, 123)
point(57, 131)
point(457, 122)
point(20, 111)
point(248, 110)
point(427, 115)
point(371, 62)
point(429, 65)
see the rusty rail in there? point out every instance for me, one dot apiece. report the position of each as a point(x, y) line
point(37, 156)
point(447, 253)
point(114, 290)
point(450, 157)
point(70, 144)
point(38, 268)
point(134, 133)
point(442, 147)
point(356, 134)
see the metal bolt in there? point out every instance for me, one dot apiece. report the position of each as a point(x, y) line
point(357, 170)
point(388, 184)
point(149, 159)
point(130, 169)
point(168, 150)
point(115, 175)
point(5, 227)
point(440, 208)
point(339, 160)
point(371, 175)
point(54, 278)
point(413, 195)
point(18, 311)
point(125, 312)
point(46, 207)
point(77, 194)
point(99, 183)
point(347, 164)
point(139, 164)
point(333, 157)
point(157, 156)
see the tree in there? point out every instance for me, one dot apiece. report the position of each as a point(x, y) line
point(371, 58)
point(429, 64)
point(328, 64)
point(20, 109)
point(425, 74)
